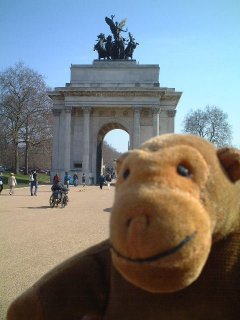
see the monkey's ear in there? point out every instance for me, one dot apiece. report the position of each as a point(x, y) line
point(230, 160)
point(120, 161)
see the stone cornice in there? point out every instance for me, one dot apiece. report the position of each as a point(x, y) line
point(165, 94)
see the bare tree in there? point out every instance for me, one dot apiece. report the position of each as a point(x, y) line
point(24, 106)
point(211, 124)
point(110, 154)
point(5, 147)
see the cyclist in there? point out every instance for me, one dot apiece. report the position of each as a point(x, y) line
point(59, 186)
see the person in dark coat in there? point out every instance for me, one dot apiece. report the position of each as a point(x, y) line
point(1, 182)
point(66, 179)
point(33, 183)
point(75, 179)
point(101, 181)
point(83, 180)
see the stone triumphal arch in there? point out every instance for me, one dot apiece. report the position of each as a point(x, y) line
point(106, 95)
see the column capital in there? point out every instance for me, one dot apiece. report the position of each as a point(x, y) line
point(156, 109)
point(56, 112)
point(86, 109)
point(164, 108)
point(171, 113)
point(68, 109)
point(137, 108)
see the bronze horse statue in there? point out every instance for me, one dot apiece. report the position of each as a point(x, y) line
point(132, 44)
point(115, 47)
point(100, 47)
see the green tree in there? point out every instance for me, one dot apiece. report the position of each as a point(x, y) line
point(209, 123)
point(24, 108)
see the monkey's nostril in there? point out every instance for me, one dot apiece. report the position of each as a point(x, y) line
point(128, 222)
point(147, 220)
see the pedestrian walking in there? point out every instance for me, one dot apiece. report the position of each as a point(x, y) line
point(75, 179)
point(101, 180)
point(33, 183)
point(108, 180)
point(12, 182)
point(66, 179)
point(83, 180)
point(1, 182)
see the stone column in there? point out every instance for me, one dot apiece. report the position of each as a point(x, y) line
point(67, 138)
point(171, 117)
point(136, 127)
point(155, 115)
point(55, 165)
point(86, 141)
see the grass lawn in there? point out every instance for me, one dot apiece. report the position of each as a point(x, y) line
point(23, 180)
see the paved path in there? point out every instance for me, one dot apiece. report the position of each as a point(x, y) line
point(34, 237)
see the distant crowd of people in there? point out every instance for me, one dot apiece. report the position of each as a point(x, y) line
point(103, 179)
point(33, 181)
point(67, 179)
point(12, 182)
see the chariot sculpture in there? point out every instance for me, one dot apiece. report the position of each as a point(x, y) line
point(115, 46)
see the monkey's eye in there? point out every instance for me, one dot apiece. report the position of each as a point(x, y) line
point(126, 174)
point(183, 171)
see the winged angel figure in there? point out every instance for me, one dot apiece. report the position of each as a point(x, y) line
point(116, 27)
point(119, 42)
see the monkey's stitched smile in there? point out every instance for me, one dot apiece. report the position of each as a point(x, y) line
point(159, 255)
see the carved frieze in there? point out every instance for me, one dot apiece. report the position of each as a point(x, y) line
point(108, 93)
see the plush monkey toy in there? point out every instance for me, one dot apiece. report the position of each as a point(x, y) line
point(174, 247)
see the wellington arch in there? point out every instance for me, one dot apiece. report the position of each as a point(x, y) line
point(106, 95)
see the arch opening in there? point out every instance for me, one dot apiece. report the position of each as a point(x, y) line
point(115, 135)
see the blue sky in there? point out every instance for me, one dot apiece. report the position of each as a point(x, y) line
point(195, 42)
